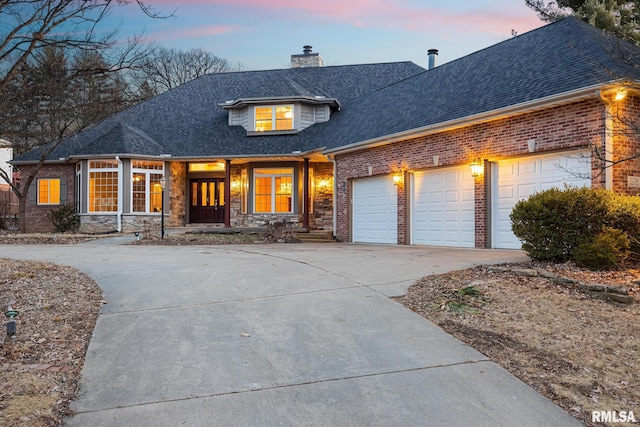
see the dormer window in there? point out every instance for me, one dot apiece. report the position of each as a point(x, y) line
point(273, 117)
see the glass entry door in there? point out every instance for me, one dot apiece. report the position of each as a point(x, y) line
point(207, 201)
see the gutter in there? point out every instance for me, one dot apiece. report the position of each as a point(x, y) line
point(566, 97)
point(120, 193)
point(334, 197)
point(298, 155)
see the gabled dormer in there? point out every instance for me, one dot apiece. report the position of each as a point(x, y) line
point(279, 115)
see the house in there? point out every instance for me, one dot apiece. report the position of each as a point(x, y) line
point(525, 114)
point(237, 149)
point(380, 153)
point(6, 155)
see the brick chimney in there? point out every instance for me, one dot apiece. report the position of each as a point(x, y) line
point(306, 59)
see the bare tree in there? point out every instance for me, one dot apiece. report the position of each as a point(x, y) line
point(30, 30)
point(165, 69)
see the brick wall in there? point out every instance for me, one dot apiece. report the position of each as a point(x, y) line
point(626, 140)
point(575, 125)
point(36, 215)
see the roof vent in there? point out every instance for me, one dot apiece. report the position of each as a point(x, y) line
point(307, 49)
point(432, 53)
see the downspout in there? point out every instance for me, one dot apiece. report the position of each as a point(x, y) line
point(608, 148)
point(608, 140)
point(335, 200)
point(120, 193)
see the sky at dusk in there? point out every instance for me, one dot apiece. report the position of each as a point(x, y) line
point(262, 34)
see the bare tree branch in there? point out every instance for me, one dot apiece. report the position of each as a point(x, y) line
point(41, 101)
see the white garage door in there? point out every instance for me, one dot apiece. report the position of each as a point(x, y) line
point(375, 210)
point(442, 208)
point(517, 179)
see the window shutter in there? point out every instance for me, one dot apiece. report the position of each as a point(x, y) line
point(33, 192)
point(63, 190)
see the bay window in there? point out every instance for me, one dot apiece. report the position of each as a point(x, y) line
point(146, 190)
point(103, 186)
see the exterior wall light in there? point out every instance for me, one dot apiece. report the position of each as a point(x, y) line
point(323, 184)
point(397, 178)
point(476, 168)
point(620, 95)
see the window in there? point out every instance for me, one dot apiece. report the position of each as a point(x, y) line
point(146, 190)
point(273, 190)
point(49, 191)
point(103, 186)
point(275, 117)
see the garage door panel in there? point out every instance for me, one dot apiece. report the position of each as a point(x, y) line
point(518, 179)
point(527, 168)
point(507, 170)
point(452, 196)
point(375, 211)
point(442, 204)
point(506, 192)
point(525, 190)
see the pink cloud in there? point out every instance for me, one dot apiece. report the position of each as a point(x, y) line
point(471, 22)
point(399, 14)
point(200, 31)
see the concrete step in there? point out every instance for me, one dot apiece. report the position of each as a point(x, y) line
point(316, 236)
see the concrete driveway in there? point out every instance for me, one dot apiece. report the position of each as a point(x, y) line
point(296, 334)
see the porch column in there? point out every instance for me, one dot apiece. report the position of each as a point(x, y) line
point(227, 193)
point(305, 194)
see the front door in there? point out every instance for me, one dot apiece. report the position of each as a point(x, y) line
point(207, 200)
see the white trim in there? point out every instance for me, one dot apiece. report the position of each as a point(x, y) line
point(77, 192)
point(118, 170)
point(147, 189)
point(257, 175)
point(49, 203)
point(273, 117)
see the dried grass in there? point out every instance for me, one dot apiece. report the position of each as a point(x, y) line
point(40, 368)
point(581, 352)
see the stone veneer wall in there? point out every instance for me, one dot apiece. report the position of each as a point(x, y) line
point(178, 203)
point(322, 216)
point(90, 223)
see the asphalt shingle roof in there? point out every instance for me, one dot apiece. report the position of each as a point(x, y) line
point(376, 99)
point(558, 58)
point(188, 121)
